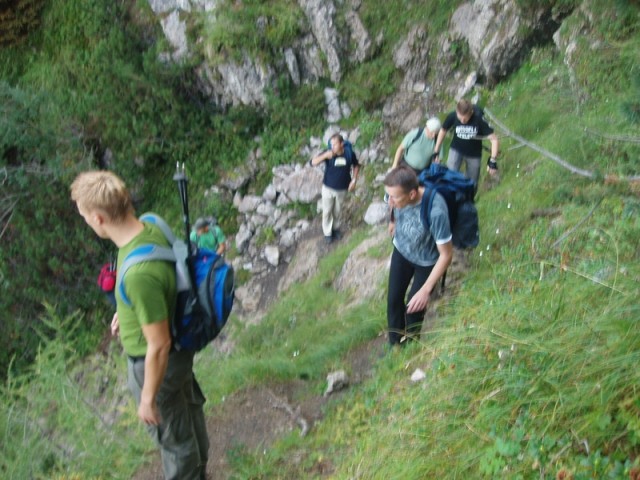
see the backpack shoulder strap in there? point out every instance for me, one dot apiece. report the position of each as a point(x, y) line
point(143, 253)
point(151, 217)
point(427, 203)
point(415, 139)
point(147, 252)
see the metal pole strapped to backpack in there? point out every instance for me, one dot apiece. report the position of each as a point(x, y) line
point(180, 177)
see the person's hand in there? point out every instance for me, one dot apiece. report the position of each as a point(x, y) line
point(418, 302)
point(436, 158)
point(148, 413)
point(492, 166)
point(352, 185)
point(115, 325)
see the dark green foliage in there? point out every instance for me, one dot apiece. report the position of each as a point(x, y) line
point(48, 254)
point(90, 87)
point(631, 107)
point(18, 18)
point(29, 133)
point(367, 86)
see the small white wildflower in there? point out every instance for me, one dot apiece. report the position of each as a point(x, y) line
point(518, 166)
point(509, 205)
point(497, 231)
point(480, 252)
point(488, 247)
point(296, 353)
point(517, 174)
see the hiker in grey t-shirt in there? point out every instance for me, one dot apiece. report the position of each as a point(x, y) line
point(419, 253)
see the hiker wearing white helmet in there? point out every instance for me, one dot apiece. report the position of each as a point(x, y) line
point(417, 147)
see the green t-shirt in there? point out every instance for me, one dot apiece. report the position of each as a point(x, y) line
point(151, 290)
point(209, 240)
point(418, 154)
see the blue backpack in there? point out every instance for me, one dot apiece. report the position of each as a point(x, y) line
point(348, 148)
point(201, 312)
point(458, 192)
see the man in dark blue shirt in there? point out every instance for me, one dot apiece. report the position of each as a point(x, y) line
point(340, 160)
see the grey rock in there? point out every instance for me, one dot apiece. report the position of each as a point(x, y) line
point(272, 255)
point(377, 213)
point(270, 193)
point(320, 15)
point(175, 31)
point(243, 236)
point(249, 203)
point(292, 65)
point(336, 381)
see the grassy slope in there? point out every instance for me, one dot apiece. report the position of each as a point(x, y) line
point(530, 369)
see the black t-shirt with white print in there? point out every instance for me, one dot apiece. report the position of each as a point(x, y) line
point(467, 137)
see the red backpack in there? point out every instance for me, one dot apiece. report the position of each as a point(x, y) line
point(107, 277)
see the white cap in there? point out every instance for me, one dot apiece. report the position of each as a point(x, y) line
point(433, 125)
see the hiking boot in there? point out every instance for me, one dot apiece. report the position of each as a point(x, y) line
point(328, 239)
point(337, 234)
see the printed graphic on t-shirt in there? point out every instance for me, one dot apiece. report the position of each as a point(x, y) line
point(466, 132)
point(340, 162)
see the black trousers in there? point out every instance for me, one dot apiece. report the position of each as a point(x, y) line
point(401, 323)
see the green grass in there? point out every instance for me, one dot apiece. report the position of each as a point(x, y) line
point(531, 365)
point(531, 368)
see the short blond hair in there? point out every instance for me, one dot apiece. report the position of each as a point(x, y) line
point(103, 191)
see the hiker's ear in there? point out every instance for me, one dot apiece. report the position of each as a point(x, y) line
point(98, 217)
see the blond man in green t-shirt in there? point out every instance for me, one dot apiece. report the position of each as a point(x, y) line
point(161, 380)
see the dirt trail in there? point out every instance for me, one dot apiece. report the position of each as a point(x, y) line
point(255, 417)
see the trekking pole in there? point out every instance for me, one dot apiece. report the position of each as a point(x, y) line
point(180, 178)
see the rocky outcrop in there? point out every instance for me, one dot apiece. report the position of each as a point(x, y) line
point(322, 51)
point(499, 33)
point(362, 272)
point(406, 108)
point(237, 83)
point(574, 37)
point(320, 15)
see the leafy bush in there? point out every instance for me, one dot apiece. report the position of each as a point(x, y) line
point(18, 20)
point(86, 94)
point(259, 28)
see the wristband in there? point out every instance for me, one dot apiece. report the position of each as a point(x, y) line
point(492, 164)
